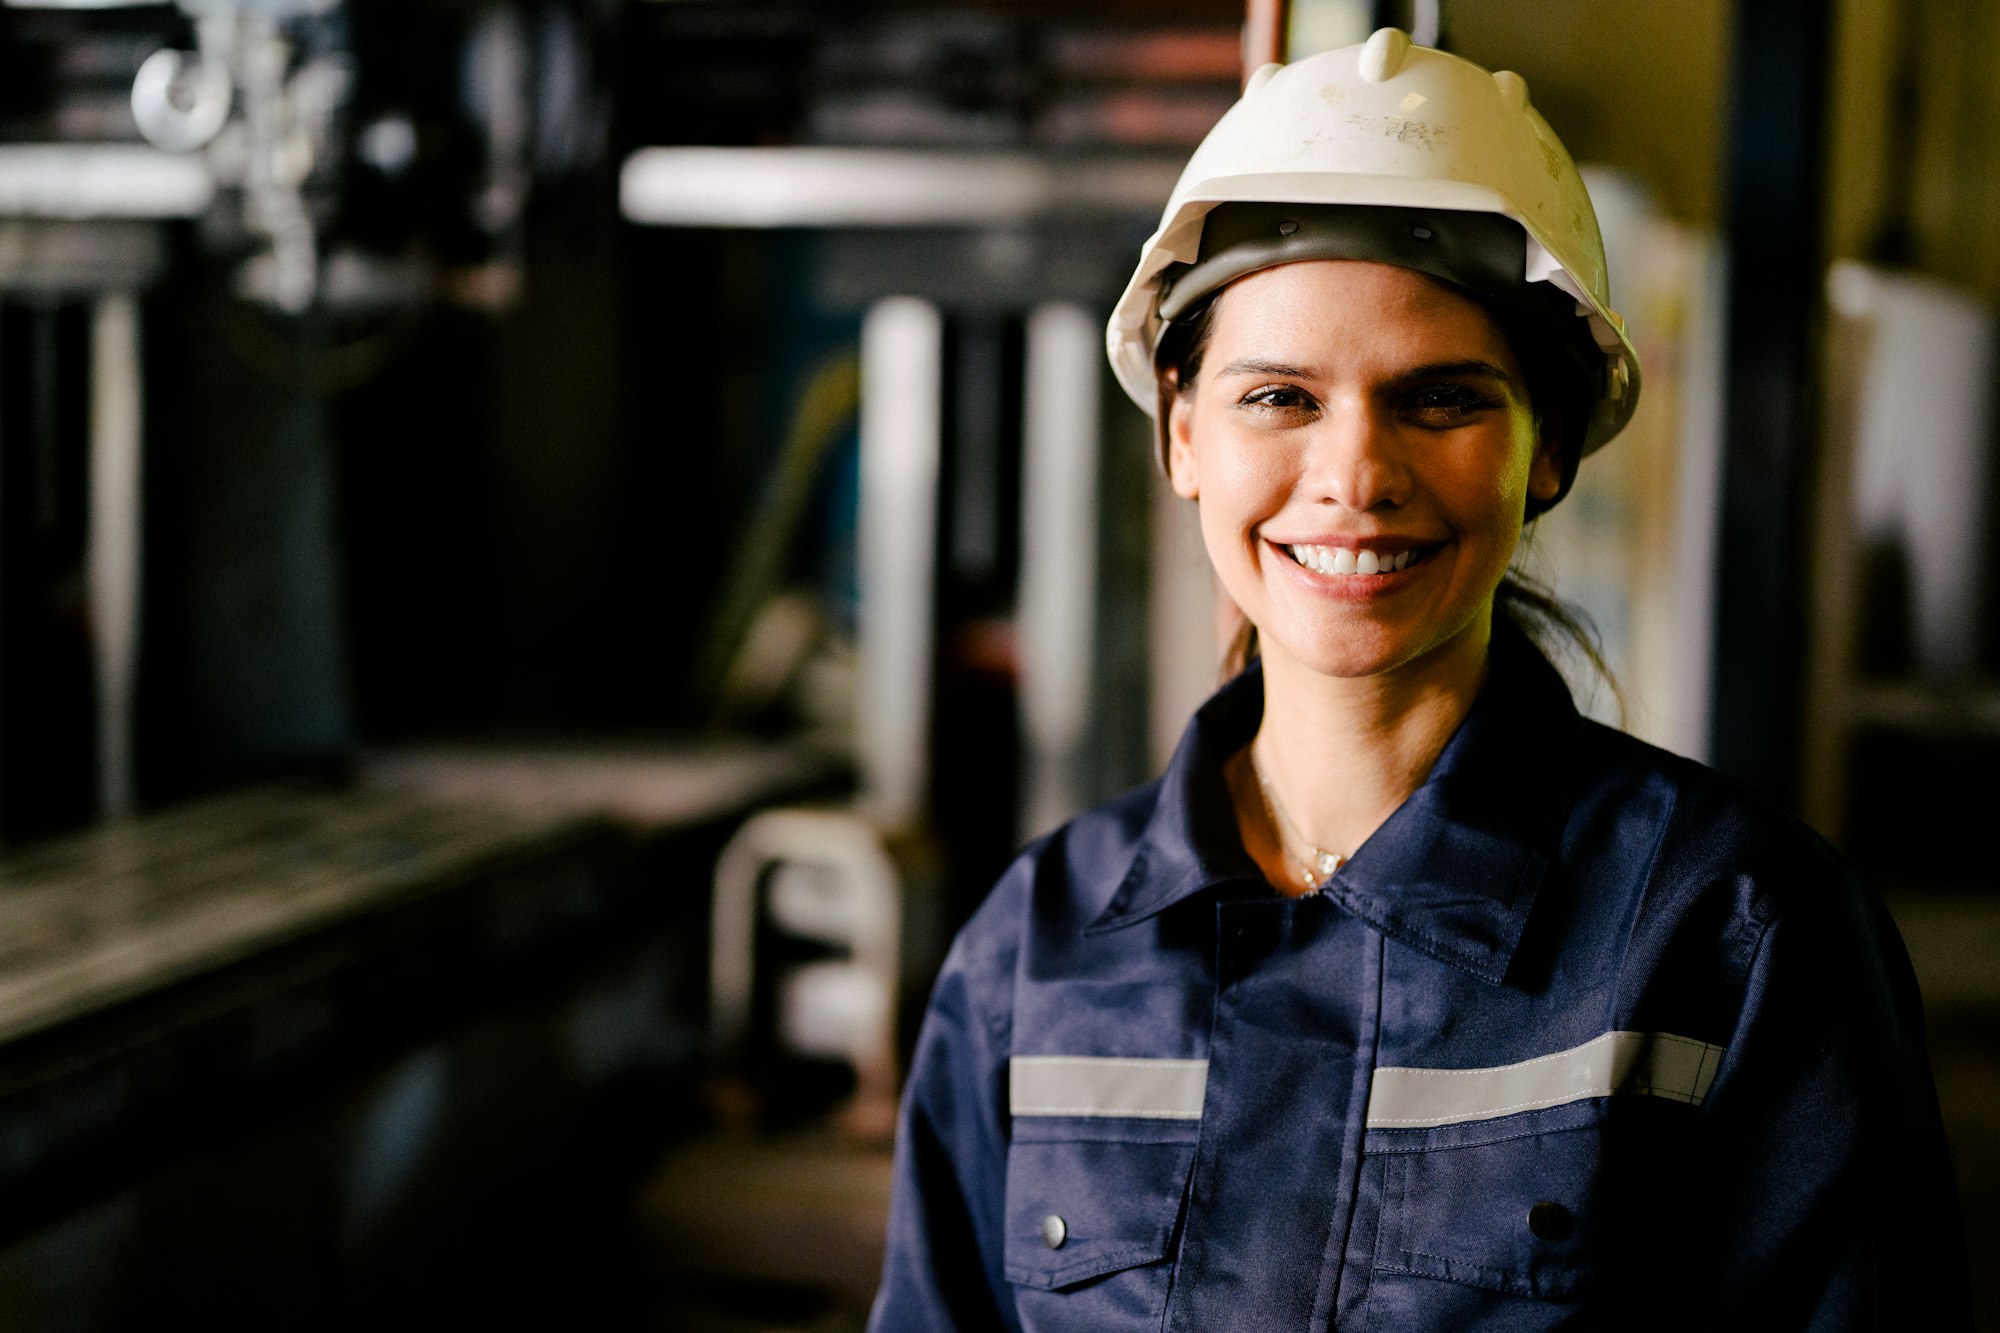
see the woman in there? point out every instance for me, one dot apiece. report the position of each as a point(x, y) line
point(1407, 999)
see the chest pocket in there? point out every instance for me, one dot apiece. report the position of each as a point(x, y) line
point(1508, 1209)
point(1096, 1177)
point(1494, 1184)
point(1093, 1214)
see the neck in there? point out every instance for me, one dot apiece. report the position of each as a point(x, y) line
point(1340, 755)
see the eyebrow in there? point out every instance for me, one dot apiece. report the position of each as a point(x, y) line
point(1434, 370)
point(1446, 369)
point(1252, 366)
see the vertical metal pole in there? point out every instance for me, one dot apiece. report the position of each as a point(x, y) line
point(1058, 597)
point(6, 644)
point(1697, 493)
point(1775, 181)
point(112, 557)
point(902, 391)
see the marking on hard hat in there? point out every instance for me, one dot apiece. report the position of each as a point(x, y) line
point(1410, 133)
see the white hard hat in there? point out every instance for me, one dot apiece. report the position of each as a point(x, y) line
point(1420, 154)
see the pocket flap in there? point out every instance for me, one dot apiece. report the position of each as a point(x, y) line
point(1518, 1216)
point(1077, 1210)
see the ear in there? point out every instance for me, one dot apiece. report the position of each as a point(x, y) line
point(1181, 471)
point(1545, 471)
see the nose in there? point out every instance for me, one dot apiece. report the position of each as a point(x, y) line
point(1355, 458)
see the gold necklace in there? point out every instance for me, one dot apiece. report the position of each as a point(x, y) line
point(1322, 864)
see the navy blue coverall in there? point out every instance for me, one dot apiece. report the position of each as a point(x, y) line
point(1584, 1036)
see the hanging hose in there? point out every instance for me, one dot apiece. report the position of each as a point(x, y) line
point(825, 409)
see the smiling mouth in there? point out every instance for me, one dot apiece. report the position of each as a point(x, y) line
point(1346, 560)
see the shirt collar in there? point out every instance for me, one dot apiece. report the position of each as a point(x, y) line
point(1453, 872)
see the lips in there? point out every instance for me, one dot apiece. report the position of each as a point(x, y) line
point(1360, 559)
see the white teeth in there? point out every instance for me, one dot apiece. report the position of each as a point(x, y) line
point(1346, 560)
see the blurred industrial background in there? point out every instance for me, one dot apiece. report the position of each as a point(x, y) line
point(550, 550)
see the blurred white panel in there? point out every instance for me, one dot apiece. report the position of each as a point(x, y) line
point(833, 1009)
point(112, 554)
point(902, 375)
point(1313, 26)
point(1057, 607)
point(877, 187)
point(101, 181)
point(1924, 423)
point(1682, 695)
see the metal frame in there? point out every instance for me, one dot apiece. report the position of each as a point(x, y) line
point(1776, 170)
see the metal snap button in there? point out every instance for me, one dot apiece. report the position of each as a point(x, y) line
point(1550, 1221)
point(1054, 1231)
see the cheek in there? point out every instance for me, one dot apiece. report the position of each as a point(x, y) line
point(1247, 475)
point(1486, 491)
point(1529, 465)
point(1511, 482)
point(1511, 494)
point(1240, 489)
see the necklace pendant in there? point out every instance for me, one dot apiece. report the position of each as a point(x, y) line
point(1329, 862)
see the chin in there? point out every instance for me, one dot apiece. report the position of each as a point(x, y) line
point(1355, 652)
point(1348, 656)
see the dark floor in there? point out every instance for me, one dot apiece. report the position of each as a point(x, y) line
point(766, 1236)
point(1954, 942)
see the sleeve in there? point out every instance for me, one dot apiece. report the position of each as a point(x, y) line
point(1832, 1204)
point(942, 1272)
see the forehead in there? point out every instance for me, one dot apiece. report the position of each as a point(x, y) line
point(1350, 310)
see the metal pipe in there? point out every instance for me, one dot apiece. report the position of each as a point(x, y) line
point(1777, 149)
point(1058, 595)
point(113, 556)
point(902, 391)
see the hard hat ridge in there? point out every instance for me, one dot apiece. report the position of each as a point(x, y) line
point(1383, 54)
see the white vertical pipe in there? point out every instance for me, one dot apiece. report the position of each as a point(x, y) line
point(1698, 501)
point(1426, 22)
point(1057, 610)
point(902, 391)
point(112, 559)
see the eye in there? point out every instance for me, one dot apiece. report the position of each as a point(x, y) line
point(1449, 403)
point(1280, 400)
